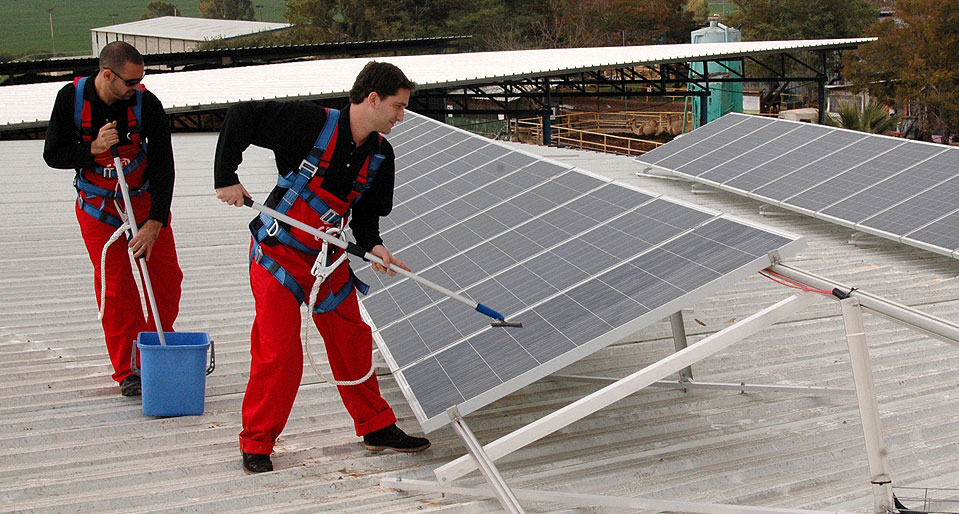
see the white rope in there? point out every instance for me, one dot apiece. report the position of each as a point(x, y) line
point(103, 266)
point(309, 354)
point(319, 277)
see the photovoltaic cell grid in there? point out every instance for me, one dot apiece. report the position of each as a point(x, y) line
point(894, 188)
point(581, 261)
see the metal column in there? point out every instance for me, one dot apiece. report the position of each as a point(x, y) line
point(868, 405)
point(679, 340)
point(704, 99)
point(821, 89)
point(547, 128)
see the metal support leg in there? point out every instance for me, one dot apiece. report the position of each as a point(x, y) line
point(679, 340)
point(499, 486)
point(868, 405)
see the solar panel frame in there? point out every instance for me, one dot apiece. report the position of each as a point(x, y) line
point(836, 177)
point(675, 300)
point(535, 255)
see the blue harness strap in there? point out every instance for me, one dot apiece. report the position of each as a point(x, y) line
point(269, 227)
point(87, 190)
point(310, 167)
point(279, 272)
point(92, 189)
point(112, 173)
point(78, 101)
point(296, 184)
point(78, 105)
point(328, 304)
point(98, 214)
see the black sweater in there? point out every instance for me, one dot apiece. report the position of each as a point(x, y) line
point(290, 130)
point(64, 149)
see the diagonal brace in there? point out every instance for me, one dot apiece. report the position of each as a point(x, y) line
point(614, 392)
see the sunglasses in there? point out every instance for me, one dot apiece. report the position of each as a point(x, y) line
point(128, 82)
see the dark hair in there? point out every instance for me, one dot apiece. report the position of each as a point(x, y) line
point(383, 78)
point(118, 53)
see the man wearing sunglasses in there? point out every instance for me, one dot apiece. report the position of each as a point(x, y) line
point(91, 116)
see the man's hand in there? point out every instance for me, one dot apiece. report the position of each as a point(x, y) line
point(388, 259)
point(142, 243)
point(233, 195)
point(106, 138)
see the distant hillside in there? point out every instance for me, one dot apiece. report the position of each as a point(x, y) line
point(25, 24)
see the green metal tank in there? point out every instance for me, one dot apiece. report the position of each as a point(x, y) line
point(724, 97)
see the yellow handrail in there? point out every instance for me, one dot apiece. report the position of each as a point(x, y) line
point(573, 130)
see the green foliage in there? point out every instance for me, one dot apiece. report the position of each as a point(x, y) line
point(762, 20)
point(915, 63)
point(226, 9)
point(788, 19)
point(159, 8)
point(499, 24)
point(700, 9)
point(874, 118)
point(25, 25)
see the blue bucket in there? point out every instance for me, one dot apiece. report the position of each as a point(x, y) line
point(173, 376)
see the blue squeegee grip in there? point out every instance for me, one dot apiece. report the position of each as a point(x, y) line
point(489, 312)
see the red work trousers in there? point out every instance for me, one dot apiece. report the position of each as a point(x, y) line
point(276, 367)
point(123, 317)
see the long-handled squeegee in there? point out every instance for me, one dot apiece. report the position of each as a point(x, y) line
point(359, 252)
point(131, 217)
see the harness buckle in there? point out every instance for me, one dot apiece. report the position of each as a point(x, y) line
point(257, 254)
point(330, 216)
point(309, 167)
point(274, 228)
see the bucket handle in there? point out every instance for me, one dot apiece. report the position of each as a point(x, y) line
point(133, 359)
point(136, 369)
point(212, 365)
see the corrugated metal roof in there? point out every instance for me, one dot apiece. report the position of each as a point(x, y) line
point(70, 443)
point(190, 29)
point(333, 78)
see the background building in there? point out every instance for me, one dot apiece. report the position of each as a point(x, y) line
point(175, 33)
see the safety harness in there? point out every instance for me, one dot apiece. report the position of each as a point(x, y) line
point(100, 180)
point(98, 184)
point(322, 209)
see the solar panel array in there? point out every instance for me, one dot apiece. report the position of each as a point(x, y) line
point(580, 260)
point(894, 188)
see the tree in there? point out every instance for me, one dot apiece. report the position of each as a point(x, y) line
point(770, 20)
point(158, 8)
point(226, 9)
point(500, 24)
point(874, 118)
point(787, 19)
point(914, 65)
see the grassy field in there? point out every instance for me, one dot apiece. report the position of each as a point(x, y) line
point(25, 24)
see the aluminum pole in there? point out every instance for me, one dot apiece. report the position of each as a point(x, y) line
point(868, 405)
point(913, 318)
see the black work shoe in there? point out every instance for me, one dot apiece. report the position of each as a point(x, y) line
point(393, 438)
point(130, 386)
point(256, 463)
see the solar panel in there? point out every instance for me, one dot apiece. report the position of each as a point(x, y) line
point(899, 189)
point(580, 260)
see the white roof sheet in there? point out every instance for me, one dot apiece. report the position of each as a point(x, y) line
point(191, 29)
point(65, 431)
point(333, 78)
